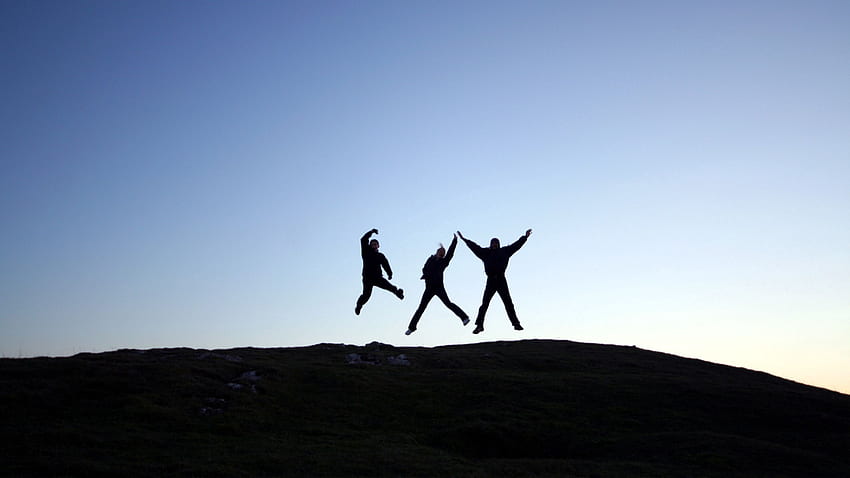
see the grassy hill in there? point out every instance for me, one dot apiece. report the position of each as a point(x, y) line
point(525, 408)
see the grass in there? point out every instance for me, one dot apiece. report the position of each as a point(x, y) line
point(525, 408)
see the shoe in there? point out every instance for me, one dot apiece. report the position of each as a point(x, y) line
point(478, 330)
point(357, 310)
point(409, 331)
point(465, 320)
point(518, 327)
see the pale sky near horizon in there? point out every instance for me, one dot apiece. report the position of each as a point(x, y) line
point(198, 174)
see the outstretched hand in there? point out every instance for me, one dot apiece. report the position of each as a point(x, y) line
point(460, 235)
point(374, 231)
point(527, 233)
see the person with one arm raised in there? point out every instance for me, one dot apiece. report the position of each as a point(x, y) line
point(495, 260)
point(373, 276)
point(432, 274)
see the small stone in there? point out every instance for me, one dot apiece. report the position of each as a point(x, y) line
point(209, 411)
point(400, 359)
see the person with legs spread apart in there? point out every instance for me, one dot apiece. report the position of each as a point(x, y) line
point(495, 260)
point(432, 273)
point(373, 261)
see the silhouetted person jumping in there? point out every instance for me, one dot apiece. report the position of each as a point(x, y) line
point(495, 260)
point(373, 261)
point(432, 273)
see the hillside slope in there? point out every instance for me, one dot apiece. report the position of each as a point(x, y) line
point(525, 408)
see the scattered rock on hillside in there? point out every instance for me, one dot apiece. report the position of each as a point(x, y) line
point(251, 377)
point(398, 360)
point(228, 357)
point(362, 358)
point(374, 359)
point(214, 406)
point(210, 411)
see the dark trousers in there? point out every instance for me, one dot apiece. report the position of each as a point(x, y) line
point(494, 285)
point(430, 292)
point(368, 283)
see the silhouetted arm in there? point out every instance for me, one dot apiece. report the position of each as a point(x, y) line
point(425, 266)
point(451, 252)
point(516, 245)
point(475, 248)
point(364, 241)
point(386, 265)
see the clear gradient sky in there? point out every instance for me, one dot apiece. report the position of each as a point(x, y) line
point(198, 174)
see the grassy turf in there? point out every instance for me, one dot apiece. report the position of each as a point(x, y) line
point(525, 408)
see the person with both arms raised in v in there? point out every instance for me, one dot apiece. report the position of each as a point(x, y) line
point(432, 273)
point(373, 261)
point(495, 260)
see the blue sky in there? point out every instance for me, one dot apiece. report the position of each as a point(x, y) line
point(199, 173)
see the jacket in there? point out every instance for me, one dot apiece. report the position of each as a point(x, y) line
point(373, 260)
point(495, 260)
point(432, 271)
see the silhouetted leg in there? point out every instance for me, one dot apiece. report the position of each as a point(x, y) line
point(489, 290)
point(364, 297)
point(385, 284)
point(505, 294)
point(426, 297)
point(441, 293)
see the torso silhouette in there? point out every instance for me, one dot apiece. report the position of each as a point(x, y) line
point(496, 260)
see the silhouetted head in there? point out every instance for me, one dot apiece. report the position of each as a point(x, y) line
point(494, 243)
point(375, 244)
point(441, 252)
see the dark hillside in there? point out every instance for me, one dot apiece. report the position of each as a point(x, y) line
point(526, 408)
